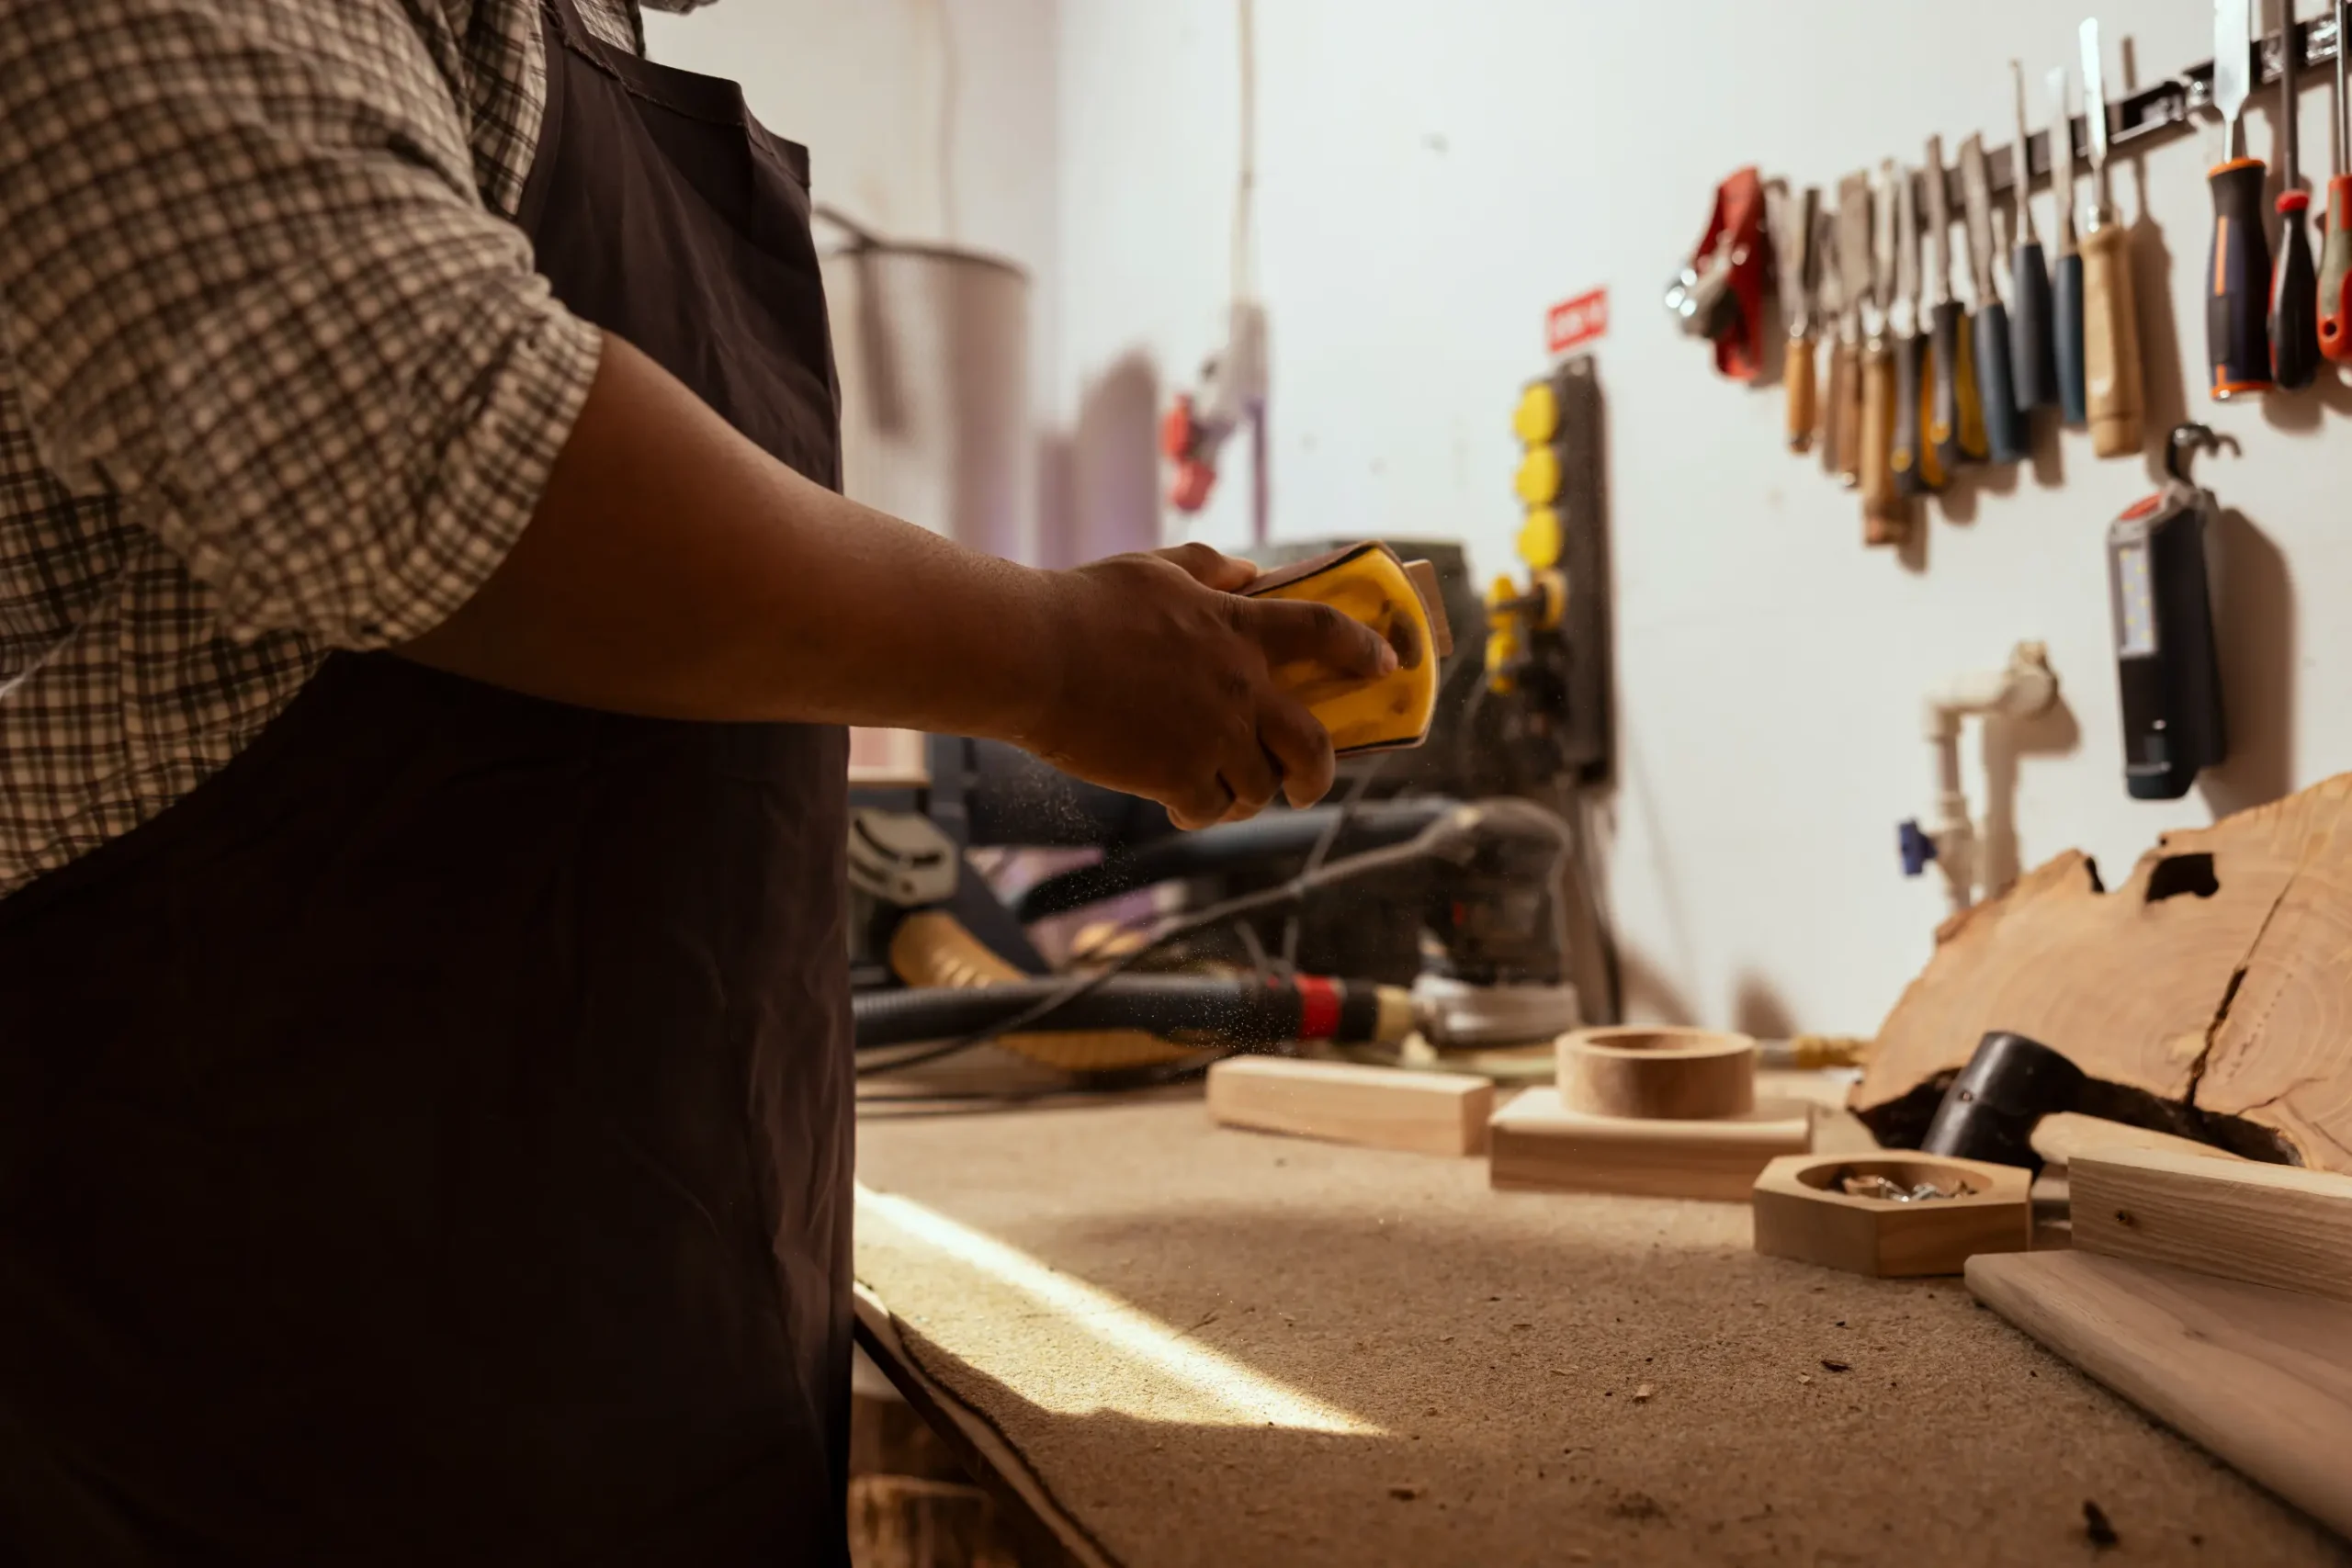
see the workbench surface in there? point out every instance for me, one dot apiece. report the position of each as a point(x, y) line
point(1225, 1348)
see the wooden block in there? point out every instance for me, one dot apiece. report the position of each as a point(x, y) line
point(2061, 1136)
point(1535, 1142)
point(1802, 1213)
point(1680, 1074)
point(2271, 1224)
point(899, 1521)
point(2261, 1376)
point(1385, 1107)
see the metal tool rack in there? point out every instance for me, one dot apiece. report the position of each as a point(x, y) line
point(2155, 112)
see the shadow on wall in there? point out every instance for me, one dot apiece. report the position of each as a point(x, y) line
point(1756, 1009)
point(1098, 484)
point(2254, 604)
point(2050, 733)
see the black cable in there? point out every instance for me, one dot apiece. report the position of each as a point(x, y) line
point(1370, 861)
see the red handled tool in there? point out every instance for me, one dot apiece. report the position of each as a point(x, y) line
point(2294, 290)
point(2237, 264)
point(2336, 251)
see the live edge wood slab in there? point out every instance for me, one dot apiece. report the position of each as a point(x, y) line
point(2213, 987)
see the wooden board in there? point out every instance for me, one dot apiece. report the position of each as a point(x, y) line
point(1536, 1143)
point(2220, 986)
point(1803, 1213)
point(2062, 1137)
point(1048, 1536)
point(2267, 1223)
point(2261, 1376)
point(1388, 1108)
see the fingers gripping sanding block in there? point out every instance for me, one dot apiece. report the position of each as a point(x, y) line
point(1399, 599)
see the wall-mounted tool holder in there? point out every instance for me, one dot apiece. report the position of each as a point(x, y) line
point(2156, 112)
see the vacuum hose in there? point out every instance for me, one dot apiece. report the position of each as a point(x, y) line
point(1242, 1011)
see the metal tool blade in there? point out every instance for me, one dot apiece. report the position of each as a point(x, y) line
point(2021, 163)
point(1904, 312)
point(2062, 152)
point(1939, 225)
point(1976, 197)
point(1854, 250)
point(1799, 260)
point(1788, 262)
point(1883, 200)
point(2287, 61)
point(2336, 122)
point(2233, 66)
point(2095, 110)
point(1828, 298)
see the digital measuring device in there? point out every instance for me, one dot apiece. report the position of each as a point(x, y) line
point(2166, 660)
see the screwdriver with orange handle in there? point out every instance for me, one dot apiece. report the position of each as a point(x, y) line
point(2335, 249)
point(2237, 260)
point(2294, 290)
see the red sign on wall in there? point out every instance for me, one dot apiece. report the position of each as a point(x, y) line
point(1574, 323)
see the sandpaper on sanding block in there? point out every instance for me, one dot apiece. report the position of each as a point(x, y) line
point(1399, 599)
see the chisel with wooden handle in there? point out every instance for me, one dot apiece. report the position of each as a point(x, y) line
point(2110, 325)
point(2066, 277)
point(1886, 516)
point(1853, 286)
point(1794, 241)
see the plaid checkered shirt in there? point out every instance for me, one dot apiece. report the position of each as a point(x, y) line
point(276, 376)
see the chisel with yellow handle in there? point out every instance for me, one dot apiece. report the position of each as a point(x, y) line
point(1956, 420)
point(1396, 598)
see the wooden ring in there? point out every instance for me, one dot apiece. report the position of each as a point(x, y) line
point(1657, 1073)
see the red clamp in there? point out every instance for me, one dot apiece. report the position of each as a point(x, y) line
point(1181, 437)
point(1725, 282)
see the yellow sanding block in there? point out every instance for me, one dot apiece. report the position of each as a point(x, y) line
point(1399, 599)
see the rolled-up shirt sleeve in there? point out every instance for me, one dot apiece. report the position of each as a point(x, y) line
point(250, 287)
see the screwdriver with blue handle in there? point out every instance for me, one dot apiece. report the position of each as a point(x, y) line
point(2031, 328)
point(2237, 261)
point(2066, 277)
point(1995, 392)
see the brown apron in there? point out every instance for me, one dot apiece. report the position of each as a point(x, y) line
point(430, 1141)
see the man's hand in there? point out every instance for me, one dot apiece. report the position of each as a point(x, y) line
point(1163, 687)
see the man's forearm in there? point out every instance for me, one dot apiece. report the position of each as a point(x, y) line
point(674, 569)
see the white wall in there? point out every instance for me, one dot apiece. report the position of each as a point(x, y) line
point(1433, 175)
point(925, 119)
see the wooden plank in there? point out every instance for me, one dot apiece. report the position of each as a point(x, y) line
point(1046, 1535)
point(901, 1521)
point(2261, 1376)
point(1536, 1143)
point(1385, 1107)
point(2271, 1224)
point(2219, 972)
point(2061, 1137)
